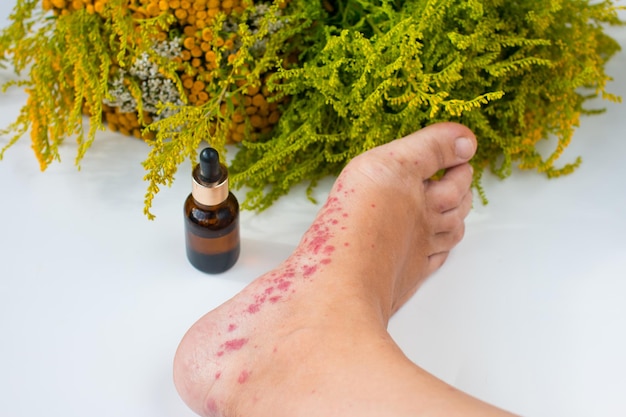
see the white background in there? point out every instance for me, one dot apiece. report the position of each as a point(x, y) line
point(529, 312)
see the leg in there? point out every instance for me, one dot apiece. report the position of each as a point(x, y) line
point(310, 338)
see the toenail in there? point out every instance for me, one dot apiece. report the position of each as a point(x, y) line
point(464, 148)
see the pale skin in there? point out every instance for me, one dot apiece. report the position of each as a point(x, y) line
point(310, 337)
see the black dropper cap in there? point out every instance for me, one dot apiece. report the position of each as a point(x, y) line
point(210, 168)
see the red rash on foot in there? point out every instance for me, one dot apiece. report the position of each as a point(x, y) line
point(211, 405)
point(289, 273)
point(314, 243)
point(235, 344)
point(284, 285)
point(317, 242)
point(243, 377)
point(309, 270)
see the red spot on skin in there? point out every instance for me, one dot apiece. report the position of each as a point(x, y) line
point(284, 285)
point(317, 243)
point(289, 273)
point(235, 344)
point(329, 249)
point(218, 375)
point(309, 270)
point(253, 308)
point(220, 353)
point(211, 406)
point(346, 244)
point(269, 290)
point(274, 299)
point(232, 327)
point(373, 205)
point(243, 377)
point(325, 261)
point(335, 221)
point(275, 349)
point(345, 215)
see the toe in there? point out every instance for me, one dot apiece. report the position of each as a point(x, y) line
point(437, 147)
point(446, 241)
point(450, 191)
point(436, 260)
point(452, 219)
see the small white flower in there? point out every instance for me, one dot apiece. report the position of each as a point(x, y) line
point(155, 87)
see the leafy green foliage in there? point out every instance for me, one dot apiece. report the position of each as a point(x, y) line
point(365, 73)
point(178, 137)
point(515, 73)
point(68, 58)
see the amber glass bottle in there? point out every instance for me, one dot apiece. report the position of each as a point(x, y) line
point(211, 217)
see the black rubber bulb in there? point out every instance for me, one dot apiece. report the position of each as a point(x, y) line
point(210, 169)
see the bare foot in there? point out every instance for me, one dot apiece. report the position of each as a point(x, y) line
point(309, 338)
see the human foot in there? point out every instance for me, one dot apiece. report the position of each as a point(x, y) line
point(286, 341)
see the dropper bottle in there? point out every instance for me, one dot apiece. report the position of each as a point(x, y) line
point(211, 217)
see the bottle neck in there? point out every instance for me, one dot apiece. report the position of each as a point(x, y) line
point(209, 194)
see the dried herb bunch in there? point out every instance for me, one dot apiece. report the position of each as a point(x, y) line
point(304, 86)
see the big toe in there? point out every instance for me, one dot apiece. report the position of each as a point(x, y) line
point(438, 146)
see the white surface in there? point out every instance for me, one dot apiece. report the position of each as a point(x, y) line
point(528, 313)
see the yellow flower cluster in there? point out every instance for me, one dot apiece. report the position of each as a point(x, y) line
point(67, 6)
point(204, 51)
point(126, 123)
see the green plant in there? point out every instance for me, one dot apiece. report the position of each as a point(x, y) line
point(344, 76)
